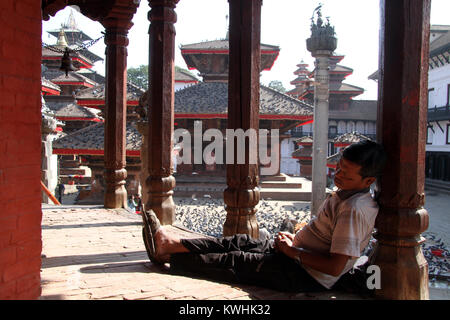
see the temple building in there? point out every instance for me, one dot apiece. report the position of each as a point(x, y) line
point(303, 154)
point(437, 159)
point(209, 100)
point(204, 103)
point(345, 114)
point(401, 129)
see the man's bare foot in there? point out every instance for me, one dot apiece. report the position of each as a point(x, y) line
point(167, 243)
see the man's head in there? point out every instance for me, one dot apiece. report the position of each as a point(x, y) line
point(361, 163)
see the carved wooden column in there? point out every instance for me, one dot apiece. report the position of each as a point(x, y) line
point(402, 123)
point(116, 41)
point(160, 181)
point(242, 192)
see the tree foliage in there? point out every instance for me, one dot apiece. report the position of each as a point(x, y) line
point(277, 85)
point(139, 75)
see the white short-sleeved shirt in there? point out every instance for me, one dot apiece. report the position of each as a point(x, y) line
point(343, 225)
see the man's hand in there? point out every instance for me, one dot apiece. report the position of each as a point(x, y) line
point(283, 242)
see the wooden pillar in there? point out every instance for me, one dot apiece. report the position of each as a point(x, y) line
point(160, 181)
point(116, 41)
point(242, 193)
point(402, 119)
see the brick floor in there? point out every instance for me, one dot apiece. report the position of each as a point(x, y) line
point(93, 253)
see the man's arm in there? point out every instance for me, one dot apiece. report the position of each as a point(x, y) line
point(331, 264)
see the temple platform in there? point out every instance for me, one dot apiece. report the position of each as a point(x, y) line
point(92, 253)
point(281, 187)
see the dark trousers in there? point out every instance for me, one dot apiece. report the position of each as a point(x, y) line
point(241, 259)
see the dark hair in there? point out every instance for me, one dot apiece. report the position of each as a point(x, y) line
point(369, 155)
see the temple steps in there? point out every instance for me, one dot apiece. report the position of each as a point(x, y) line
point(439, 186)
point(280, 187)
point(75, 179)
point(72, 171)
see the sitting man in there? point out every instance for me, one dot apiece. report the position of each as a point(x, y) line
point(311, 260)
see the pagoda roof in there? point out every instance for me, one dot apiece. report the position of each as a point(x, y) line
point(357, 110)
point(300, 79)
point(210, 100)
point(340, 69)
point(78, 59)
point(50, 87)
point(333, 160)
point(335, 88)
point(66, 108)
point(95, 96)
point(73, 35)
point(302, 71)
point(191, 52)
point(93, 75)
point(73, 78)
point(374, 76)
point(306, 140)
point(90, 141)
point(440, 50)
point(302, 153)
point(222, 44)
point(184, 76)
point(349, 138)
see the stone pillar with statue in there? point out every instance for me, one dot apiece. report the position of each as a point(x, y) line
point(321, 44)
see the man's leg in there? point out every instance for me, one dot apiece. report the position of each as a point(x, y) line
point(271, 270)
point(168, 243)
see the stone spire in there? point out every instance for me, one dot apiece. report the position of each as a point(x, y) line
point(71, 24)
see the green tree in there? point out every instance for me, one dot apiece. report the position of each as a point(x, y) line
point(277, 85)
point(139, 75)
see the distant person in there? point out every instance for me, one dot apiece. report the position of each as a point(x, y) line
point(139, 205)
point(132, 204)
point(312, 259)
point(60, 188)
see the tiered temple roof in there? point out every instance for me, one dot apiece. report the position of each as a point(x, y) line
point(90, 141)
point(347, 139)
point(210, 100)
point(210, 58)
point(305, 88)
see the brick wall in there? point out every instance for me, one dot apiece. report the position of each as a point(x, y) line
point(20, 154)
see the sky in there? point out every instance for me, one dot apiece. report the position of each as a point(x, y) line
point(284, 23)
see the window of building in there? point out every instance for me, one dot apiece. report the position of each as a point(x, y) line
point(430, 97)
point(447, 141)
point(430, 134)
point(448, 94)
point(332, 130)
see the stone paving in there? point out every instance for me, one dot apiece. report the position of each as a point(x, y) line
point(91, 253)
point(95, 253)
